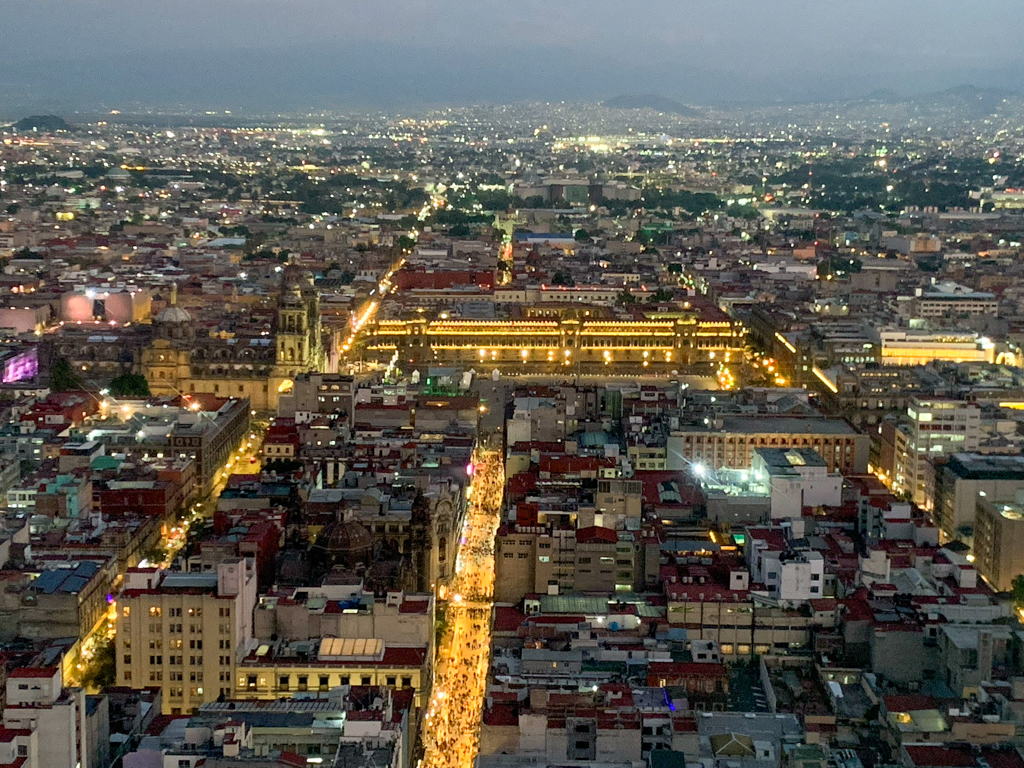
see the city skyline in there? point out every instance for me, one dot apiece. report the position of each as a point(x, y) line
point(306, 57)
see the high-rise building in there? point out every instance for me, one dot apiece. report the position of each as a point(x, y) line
point(936, 428)
point(182, 632)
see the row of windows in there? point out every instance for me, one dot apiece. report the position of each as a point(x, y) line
point(174, 612)
point(177, 629)
point(178, 661)
point(323, 681)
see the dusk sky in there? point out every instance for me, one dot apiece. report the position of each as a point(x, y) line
point(264, 55)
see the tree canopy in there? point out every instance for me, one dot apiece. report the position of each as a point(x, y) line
point(63, 377)
point(130, 385)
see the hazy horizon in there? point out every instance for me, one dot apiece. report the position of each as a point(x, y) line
point(271, 56)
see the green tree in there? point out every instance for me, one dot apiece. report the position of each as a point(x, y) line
point(563, 278)
point(662, 294)
point(625, 298)
point(1017, 588)
point(102, 670)
point(581, 236)
point(63, 377)
point(130, 385)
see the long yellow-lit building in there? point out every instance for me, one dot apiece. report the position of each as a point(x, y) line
point(913, 347)
point(662, 340)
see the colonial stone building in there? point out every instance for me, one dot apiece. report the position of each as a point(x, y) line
point(256, 365)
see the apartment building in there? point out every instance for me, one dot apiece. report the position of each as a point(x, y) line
point(952, 300)
point(735, 619)
point(44, 723)
point(183, 632)
point(543, 560)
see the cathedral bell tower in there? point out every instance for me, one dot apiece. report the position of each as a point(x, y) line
point(293, 337)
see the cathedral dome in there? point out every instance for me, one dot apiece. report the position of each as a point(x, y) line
point(344, 542)
point(173, 314)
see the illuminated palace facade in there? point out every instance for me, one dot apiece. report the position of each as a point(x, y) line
point(541, 339)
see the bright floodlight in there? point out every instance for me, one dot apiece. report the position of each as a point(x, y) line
point(699, 470)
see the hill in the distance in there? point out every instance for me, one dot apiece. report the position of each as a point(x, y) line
point(650, 101)
point(979, 102)
point(966, 100)
point(46, 123)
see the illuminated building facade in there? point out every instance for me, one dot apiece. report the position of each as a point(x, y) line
point(908, 347)
point(183, 632)
point(663, 343)
point(259, 368)
point(730, 441)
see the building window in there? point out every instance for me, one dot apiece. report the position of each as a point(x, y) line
point(154, 611)
point(391, 680)
point(303, 682)
point(324, 680)
point(283, 681)
point(366, 680)
point(127, 658)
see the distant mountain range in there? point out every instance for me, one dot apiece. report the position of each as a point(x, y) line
point(650, 101)
point(976, 102)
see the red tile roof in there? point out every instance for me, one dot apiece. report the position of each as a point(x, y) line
point(596, 534)
point(942, 757)
point(33, 672)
